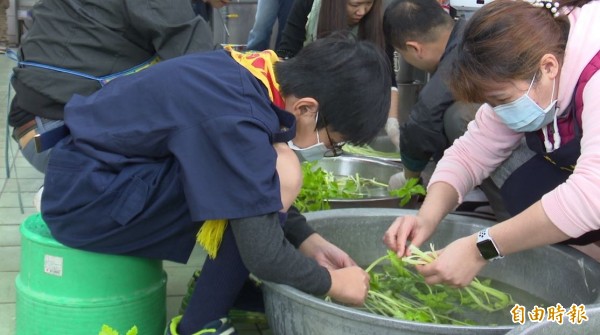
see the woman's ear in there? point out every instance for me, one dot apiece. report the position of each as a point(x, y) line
point(549, 66)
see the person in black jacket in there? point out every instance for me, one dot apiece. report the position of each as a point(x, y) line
point(74, 45)
point(426, 36)
point(204, 8)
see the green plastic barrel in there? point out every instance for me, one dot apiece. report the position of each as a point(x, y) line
point(64, 291)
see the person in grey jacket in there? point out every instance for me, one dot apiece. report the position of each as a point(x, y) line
point(73, 45)
point(426, 37)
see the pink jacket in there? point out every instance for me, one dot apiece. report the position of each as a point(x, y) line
point(574, 206)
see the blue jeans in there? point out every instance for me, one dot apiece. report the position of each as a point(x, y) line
point(39, 160)
point(267, 12)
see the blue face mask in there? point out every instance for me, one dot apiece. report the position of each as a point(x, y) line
point(524, 115)
point(312, 153)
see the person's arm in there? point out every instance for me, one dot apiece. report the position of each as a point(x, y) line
point(269, 256)
point(440, 200)
point(574, 206)
point(392, 126)
point(485, 145)
point(296, 229)
point(294, 33)
point(171, 27)
point(422, 136)
point(461, 261)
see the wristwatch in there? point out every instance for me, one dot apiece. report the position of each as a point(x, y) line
point(487, 248)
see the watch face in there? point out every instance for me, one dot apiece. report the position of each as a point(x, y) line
point(487, 249)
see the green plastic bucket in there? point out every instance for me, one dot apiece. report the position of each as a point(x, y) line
point(62, 291)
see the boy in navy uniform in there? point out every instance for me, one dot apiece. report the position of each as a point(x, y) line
point(199, 142)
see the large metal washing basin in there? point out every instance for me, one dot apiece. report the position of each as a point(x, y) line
point(556, 274)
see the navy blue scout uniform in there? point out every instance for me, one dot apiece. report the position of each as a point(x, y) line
point(153, 155)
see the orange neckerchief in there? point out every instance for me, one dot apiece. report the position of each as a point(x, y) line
point(260, 64)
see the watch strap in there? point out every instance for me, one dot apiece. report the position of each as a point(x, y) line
point(486, 245)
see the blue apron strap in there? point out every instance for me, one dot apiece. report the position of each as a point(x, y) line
point(101, 80)
point(48, 139)
point(152, 61)
point(14, 56)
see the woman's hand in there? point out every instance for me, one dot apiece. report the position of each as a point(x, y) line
point(404, 228)
point(456, 265)
point(349, 285)
point(325, 253)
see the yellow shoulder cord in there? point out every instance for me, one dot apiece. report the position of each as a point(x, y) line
point(210, 236)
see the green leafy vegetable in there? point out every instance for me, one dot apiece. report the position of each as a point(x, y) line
point(366, 150)
point(106, 330)
point(410, 189)
point(397, 292)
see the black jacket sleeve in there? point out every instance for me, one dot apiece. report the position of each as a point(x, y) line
point(294, 33)
point(296, 229)
point(422, 136)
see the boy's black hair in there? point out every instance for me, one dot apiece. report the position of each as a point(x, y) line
point(413, 20)
point(349, 79)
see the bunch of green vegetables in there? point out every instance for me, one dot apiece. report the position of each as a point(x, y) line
point(408, 191)
point(106, 330)
point(398, 292)
point(368, 151)
point(319, 186)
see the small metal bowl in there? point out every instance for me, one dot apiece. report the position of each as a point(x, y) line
point(369, 168)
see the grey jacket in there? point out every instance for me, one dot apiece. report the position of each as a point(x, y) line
point(97, 37)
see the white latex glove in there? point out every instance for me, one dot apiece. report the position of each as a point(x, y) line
point(392, 129)
point(397, 181)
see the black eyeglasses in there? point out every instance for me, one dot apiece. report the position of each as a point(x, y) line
point(336, 148)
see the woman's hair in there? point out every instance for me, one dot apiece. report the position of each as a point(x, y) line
point(503, 41)
point(333, 17)
point(349, 79)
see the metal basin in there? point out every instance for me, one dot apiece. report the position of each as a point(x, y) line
point(370, 168)
point(556, 274)
point(383, 143)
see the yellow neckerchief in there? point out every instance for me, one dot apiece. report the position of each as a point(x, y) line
point(260, 64)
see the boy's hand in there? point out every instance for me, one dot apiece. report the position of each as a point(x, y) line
point(349, 285)
point(325, 253)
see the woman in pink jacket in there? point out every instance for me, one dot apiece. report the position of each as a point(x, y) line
point(534, 68)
